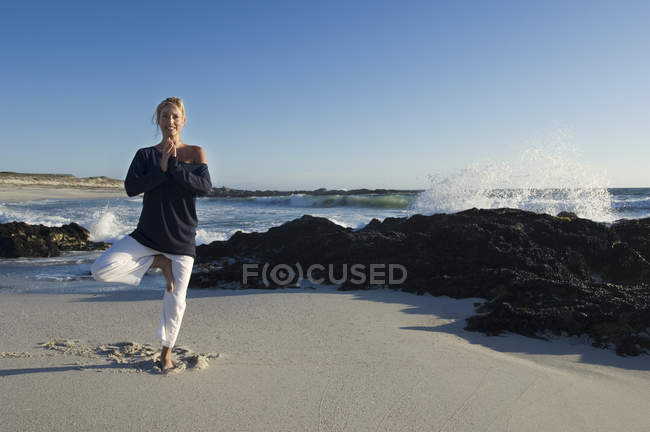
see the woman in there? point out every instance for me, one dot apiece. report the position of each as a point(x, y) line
point(171, 175)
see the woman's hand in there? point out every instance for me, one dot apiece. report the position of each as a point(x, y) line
point(169, 150)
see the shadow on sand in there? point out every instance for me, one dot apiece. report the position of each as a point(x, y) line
point(97, 367)
point(441, 307)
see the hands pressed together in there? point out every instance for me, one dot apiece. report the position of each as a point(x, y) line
point(169, 150)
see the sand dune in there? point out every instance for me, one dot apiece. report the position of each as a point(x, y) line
point(59, 180)
point(27, 187)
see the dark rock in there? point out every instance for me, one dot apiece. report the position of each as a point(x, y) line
point(538, 272)
point(224, 192)
point(567, 215)
point(18, 239)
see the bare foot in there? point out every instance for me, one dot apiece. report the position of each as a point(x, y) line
point(166, 359)
point(165, 264)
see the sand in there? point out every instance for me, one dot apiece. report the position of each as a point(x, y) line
point(301, 360)
point(15, 193)
point(27, 187)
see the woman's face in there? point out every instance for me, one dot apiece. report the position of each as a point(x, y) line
point(171, 121)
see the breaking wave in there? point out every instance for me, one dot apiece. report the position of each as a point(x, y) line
point(549, 180)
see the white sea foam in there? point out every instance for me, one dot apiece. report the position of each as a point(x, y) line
point(546, 179)
point(351, 220)
point(23, 213)
point(643, 203)
point(107, 227)
point(206, 237)
point(338, 222)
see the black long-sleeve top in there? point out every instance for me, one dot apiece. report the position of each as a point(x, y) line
point(168, 220)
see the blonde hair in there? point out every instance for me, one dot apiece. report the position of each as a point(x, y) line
point(177, 102)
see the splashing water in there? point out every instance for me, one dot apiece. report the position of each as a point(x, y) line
point(107, 226)
point(547, 179)
point(207, 237)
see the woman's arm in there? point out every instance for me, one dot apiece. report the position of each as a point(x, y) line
point(139, 178)
point(196, 181)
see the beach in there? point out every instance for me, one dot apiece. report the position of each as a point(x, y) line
point(77, 355)
point(28, 193)
point(308, 359)
point(15, 187)
point(418, 216)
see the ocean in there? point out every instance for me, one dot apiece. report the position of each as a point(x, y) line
point(110, 219)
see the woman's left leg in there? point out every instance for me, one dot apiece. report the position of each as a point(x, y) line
point(173, 307)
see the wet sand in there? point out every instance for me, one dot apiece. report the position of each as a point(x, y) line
point(301, 360)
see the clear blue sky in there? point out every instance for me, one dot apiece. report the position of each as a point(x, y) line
point(338, 94)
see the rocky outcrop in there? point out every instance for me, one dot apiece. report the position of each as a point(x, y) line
point(224, 192)
point(18, 239)
point(538, 272)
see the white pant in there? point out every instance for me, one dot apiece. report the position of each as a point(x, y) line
point(127, 260)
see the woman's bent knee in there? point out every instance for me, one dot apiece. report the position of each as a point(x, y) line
point(107, 268)
point(120, 267)
point(100, 271)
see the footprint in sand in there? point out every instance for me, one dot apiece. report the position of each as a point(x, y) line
point(131, 356)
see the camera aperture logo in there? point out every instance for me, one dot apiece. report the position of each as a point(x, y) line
point(293, 275)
